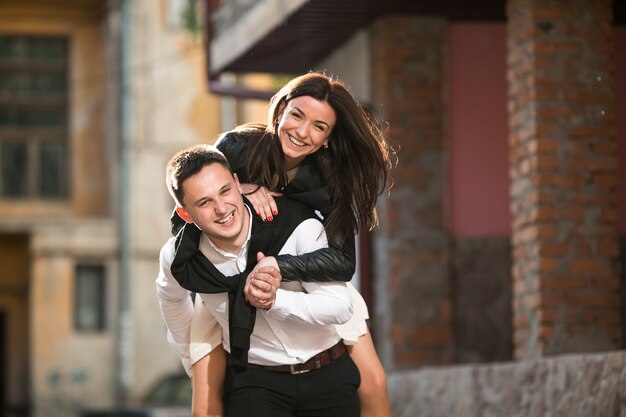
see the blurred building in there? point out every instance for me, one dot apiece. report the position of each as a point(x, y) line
point(502, 237)
point(95, 96)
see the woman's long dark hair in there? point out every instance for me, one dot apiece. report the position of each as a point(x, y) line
point(355, 165)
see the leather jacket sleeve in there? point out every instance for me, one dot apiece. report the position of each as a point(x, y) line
point(233, 147)
point(335, 263)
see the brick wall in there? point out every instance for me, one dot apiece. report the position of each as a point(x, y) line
point(564, 177)
point(412, 244)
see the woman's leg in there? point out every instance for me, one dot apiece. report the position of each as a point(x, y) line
point(208, 383)
point(373, 390)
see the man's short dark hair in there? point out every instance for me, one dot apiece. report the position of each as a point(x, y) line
point(189, 162)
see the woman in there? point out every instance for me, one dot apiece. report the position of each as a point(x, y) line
point(321, 148)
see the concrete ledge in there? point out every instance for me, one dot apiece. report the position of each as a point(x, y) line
point(587, 385)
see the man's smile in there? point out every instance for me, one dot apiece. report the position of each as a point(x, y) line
point(226, 219)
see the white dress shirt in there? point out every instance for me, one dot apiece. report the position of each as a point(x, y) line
point(300, 323)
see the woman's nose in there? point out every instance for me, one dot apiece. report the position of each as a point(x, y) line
point(301, 130)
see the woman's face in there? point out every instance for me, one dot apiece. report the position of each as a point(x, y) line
point(303, 128)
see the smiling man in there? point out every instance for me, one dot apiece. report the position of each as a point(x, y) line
point(296, 363)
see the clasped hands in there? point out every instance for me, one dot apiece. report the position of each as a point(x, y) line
point(262, 282)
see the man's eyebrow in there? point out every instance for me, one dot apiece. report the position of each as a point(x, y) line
point(200, 200)
point(203, 199)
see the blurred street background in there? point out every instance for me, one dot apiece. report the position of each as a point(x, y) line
point(495, 281)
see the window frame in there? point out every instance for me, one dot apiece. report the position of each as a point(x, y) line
point(35, 136)
point(101, 298)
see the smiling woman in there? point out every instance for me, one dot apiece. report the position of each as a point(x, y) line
point(316, 130)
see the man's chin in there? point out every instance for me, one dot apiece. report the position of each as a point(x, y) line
point(228, 233)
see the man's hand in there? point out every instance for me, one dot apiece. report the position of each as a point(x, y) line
point(262, 282)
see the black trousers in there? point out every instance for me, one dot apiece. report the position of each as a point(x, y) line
point(326, 392)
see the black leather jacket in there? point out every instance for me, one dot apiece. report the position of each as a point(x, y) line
point(335, 263)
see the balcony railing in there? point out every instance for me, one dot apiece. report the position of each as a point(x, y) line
point(229, 13)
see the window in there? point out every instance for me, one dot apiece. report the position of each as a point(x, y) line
point(90, 298)
point(33, 117)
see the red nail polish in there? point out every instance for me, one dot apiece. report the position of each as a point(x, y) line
point(270, 218)
point(275, 212)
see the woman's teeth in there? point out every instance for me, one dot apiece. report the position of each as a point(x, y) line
point(296, 142)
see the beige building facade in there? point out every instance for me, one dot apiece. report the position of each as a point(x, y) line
point(95, 96)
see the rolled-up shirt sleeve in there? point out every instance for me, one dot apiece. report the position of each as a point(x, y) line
point(357, 325)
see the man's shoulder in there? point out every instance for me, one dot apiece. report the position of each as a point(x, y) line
point(168, 251)
point(293, 218)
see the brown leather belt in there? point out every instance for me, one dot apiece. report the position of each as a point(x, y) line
point(316, 362)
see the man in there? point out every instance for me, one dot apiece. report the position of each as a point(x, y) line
point(296, 363)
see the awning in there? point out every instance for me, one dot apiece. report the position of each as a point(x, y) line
point(291, 36)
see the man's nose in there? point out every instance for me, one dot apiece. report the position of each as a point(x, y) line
point(219, 205)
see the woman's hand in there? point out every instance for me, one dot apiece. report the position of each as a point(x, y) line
point(262, 200)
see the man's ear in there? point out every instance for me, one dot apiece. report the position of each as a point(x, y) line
point(183, 214)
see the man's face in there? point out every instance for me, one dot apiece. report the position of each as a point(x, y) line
point(213, 201)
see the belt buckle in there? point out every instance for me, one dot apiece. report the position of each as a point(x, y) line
point(293, 371)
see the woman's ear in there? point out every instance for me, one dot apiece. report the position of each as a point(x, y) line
point(183, 214)
point(281, 108)
point(279, 113)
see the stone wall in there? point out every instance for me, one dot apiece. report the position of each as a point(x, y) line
point(568, 386)
point(481, 297)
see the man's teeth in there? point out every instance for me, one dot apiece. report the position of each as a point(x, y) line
point(226, 219)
